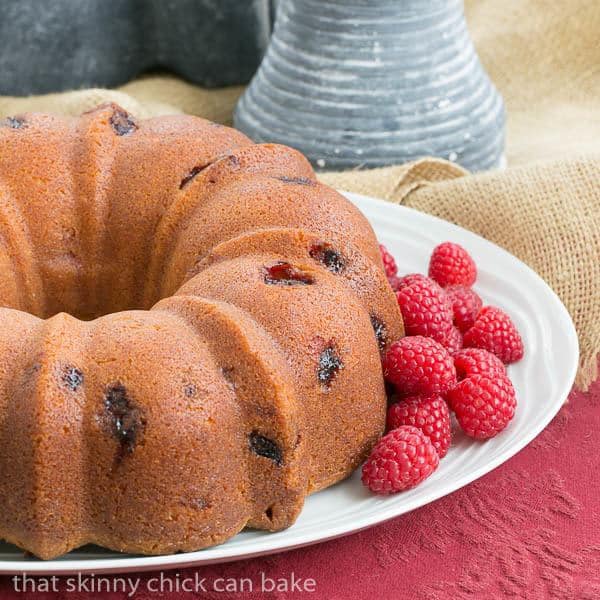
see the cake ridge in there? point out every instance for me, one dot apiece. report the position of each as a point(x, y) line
point(92, 192)
point(233, 164)
point(57, 406)
point(30, 293)
point(255, 341)
point(248, 203)
point(304, 336)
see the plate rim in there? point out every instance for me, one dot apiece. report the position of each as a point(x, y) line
point(219, 554)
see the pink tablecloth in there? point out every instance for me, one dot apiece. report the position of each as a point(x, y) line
point(530, 529)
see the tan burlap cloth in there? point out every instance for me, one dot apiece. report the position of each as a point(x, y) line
point(545, 208)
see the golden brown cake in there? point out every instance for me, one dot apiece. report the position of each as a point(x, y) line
point(191, 334)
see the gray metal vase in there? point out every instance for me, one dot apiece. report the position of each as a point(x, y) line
point(365, 83)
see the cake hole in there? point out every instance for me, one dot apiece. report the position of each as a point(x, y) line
point(283, 273)
point(269, 513)
point(327, 255)
point(263, 446)
point(122, 123)
point(126, 421)
point(330, 364)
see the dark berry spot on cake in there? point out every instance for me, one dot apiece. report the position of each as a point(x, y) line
point(72, 377)
point(330, 364)
point(122, 123)
point(263, 446)
point(195, 503)
point(326, 254)
point(189, 389)
point(125, 418)
point(283, 273)
point(13, 122)
point(297, 180)
point(233, 160)
point(229, 375)
point(194, 172)
point(201, 504)
point(380, 330)
point(32, 369)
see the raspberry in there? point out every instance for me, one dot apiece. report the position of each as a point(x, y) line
point(466, 305)
point(389, 264)
point(451, 264)
point(419, 365)
point(495, 332)
point(454, 341)
point(483, 405)
point(401, 459)
point(430, 414)
point(411, 278)
point(425, 310)
point(394, 281)
point(283, 273)
point(475, 361)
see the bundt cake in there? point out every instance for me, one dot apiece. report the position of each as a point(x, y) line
point(191, 333)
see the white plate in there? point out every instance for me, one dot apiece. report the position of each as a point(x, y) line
point(542, 380)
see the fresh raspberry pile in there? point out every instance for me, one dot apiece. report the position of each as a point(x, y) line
point(495, 332)
point(465, 304)
point(400, 460)
point(444, 306)
point(483, 404)
point(475, 361)
point(453, 359)
point(454, 342)
point(389, 262)
point(430, 414)
point(419, 365)
point(425, 310)
point(451, 264)
point(407, 280)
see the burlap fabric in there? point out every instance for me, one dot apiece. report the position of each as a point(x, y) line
point(545, 208)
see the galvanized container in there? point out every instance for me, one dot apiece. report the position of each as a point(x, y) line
point(365, 83)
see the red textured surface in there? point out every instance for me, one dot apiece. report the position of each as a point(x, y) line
point(530, 529)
